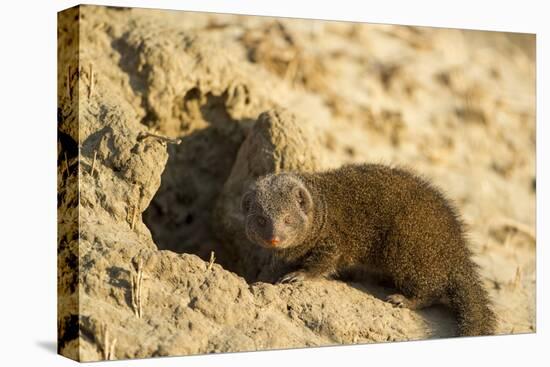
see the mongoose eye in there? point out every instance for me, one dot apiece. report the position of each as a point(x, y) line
point(261, 221)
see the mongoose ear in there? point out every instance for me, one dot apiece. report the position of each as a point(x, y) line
point(304, 198)
point(246, 202)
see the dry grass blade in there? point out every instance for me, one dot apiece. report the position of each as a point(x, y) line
point(134, 215)
point(108, 345)
point(91, 86)
point(211, 262)
point(111, 355)
point(93, 164)
point(137, 280)
point(143, 135)
point(517, 279)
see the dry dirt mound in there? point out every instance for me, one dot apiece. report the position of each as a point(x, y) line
point(456, 106)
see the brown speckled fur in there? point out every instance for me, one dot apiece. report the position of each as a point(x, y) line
point(386, 220)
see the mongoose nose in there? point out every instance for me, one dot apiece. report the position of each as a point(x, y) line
point(274, 241)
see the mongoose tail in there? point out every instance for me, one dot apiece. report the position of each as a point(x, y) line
point(471, 303)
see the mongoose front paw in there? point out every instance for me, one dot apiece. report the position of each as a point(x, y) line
point(293, 277)
point(398, 300)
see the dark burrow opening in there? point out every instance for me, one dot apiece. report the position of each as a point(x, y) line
point(180, 214)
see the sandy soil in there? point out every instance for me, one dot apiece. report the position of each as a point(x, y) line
point(456, 106)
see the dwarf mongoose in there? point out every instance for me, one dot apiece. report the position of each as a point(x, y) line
point(385, 220)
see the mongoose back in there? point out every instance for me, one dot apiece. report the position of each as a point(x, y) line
point(384, 220)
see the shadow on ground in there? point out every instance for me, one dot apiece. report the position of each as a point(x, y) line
point(49, 346)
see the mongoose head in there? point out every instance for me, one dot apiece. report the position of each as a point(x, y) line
point(278, 211)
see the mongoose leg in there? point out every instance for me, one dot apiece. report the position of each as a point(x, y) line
point(413, 303)
point(293, 277)
point(320, 262)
